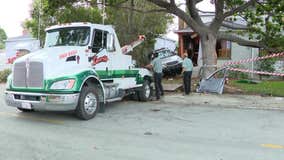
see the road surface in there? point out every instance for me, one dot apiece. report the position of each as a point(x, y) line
point(132, 130)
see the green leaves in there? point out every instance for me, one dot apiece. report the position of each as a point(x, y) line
point(130, 23)
point(126, 15)
point(53, 12)
point(3, 37)
point(265, 21)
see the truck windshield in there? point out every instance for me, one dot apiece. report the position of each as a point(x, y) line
point(72, 36)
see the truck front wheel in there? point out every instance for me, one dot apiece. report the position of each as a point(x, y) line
point(88, 104)
point(145, 93)
point(25, 110)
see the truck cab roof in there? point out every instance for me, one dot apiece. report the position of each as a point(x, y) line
point(81, 24)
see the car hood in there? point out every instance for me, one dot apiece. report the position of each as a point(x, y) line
point(172, 59)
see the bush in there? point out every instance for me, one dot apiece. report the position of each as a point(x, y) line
point(4, 75)
point(266, 65)
point(237, 75)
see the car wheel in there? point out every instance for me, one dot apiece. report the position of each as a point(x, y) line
point(88, 104)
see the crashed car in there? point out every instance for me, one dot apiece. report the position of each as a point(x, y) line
point(172, 63)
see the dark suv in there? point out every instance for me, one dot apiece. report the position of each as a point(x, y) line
point(172, 63)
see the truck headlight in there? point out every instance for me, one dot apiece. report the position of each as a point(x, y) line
point(64, 84)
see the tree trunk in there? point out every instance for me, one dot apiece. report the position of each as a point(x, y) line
point(209, 55)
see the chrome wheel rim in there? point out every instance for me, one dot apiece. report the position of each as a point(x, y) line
point(147, 91)
point(90, 103)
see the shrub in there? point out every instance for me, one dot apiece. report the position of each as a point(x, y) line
point(237, 75)
point(4, 75)
point(266, 65)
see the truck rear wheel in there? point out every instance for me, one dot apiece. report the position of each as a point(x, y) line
point(146, 92)
point(25, 110)
point(88, 104)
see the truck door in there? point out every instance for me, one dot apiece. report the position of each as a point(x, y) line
point(101, 60)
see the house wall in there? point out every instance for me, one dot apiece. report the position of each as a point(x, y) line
point(239, 53)
point(279, 66)
point(15, 44)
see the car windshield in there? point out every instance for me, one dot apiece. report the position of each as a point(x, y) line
point(165, 53)
point(72, 36)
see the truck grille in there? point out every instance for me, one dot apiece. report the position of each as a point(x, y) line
point(31, 78)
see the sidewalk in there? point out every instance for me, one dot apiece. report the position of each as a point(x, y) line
point(227, 101)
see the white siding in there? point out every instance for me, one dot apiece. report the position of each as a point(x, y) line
point(239, 53)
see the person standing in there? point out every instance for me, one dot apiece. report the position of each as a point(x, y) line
point(156, 65)
point(187, 67)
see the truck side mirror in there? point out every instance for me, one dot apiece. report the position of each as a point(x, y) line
point(110, 42)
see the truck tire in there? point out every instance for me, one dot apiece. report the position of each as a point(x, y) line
point(145, 93)
point(88, 104)
point(25, 110)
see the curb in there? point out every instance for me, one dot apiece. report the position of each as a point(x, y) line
point(227, 101)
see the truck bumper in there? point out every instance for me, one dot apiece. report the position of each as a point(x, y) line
point(41, 101)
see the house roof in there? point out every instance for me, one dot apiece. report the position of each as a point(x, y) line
point(20, 38)
point(226, 25)
point(165, 38)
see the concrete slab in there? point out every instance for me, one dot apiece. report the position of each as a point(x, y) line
point(172, 87)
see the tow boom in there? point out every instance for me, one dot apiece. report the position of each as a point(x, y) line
point(128, 48)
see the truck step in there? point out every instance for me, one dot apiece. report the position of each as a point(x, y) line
point(114, 99)
point(111, 84)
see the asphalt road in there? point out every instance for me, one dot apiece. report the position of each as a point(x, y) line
point(132, 130)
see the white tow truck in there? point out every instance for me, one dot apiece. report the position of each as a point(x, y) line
point(81, 67)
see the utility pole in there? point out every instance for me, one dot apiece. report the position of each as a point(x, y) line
point(39, 20)
point(104, 12)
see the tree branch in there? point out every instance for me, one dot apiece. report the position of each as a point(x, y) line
point(240, 41)
point(217, 21)
point(239, 9)
point(233, 26)
point(138, 10)
point(191, 6)
point(173, 9)
point(119, 5)
point(219, 7)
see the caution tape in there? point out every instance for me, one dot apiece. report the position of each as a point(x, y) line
point(253, 59)
point(228, 64)
point(256, 72)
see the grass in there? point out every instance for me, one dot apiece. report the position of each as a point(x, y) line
point(272, 88)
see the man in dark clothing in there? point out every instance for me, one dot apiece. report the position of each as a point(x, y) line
point(187, 72)
point(156, 64)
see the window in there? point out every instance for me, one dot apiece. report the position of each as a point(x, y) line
point(70, 36)
point(223, 49)
point(100, 40)
point(165, 54)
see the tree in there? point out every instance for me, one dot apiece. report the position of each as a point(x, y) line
point(3, 37)
point(257, 13)
point(127, 22)
point(52, 12)
point(264, 21)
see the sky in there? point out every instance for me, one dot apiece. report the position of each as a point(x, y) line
point(12, 15)
point(14, 12)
